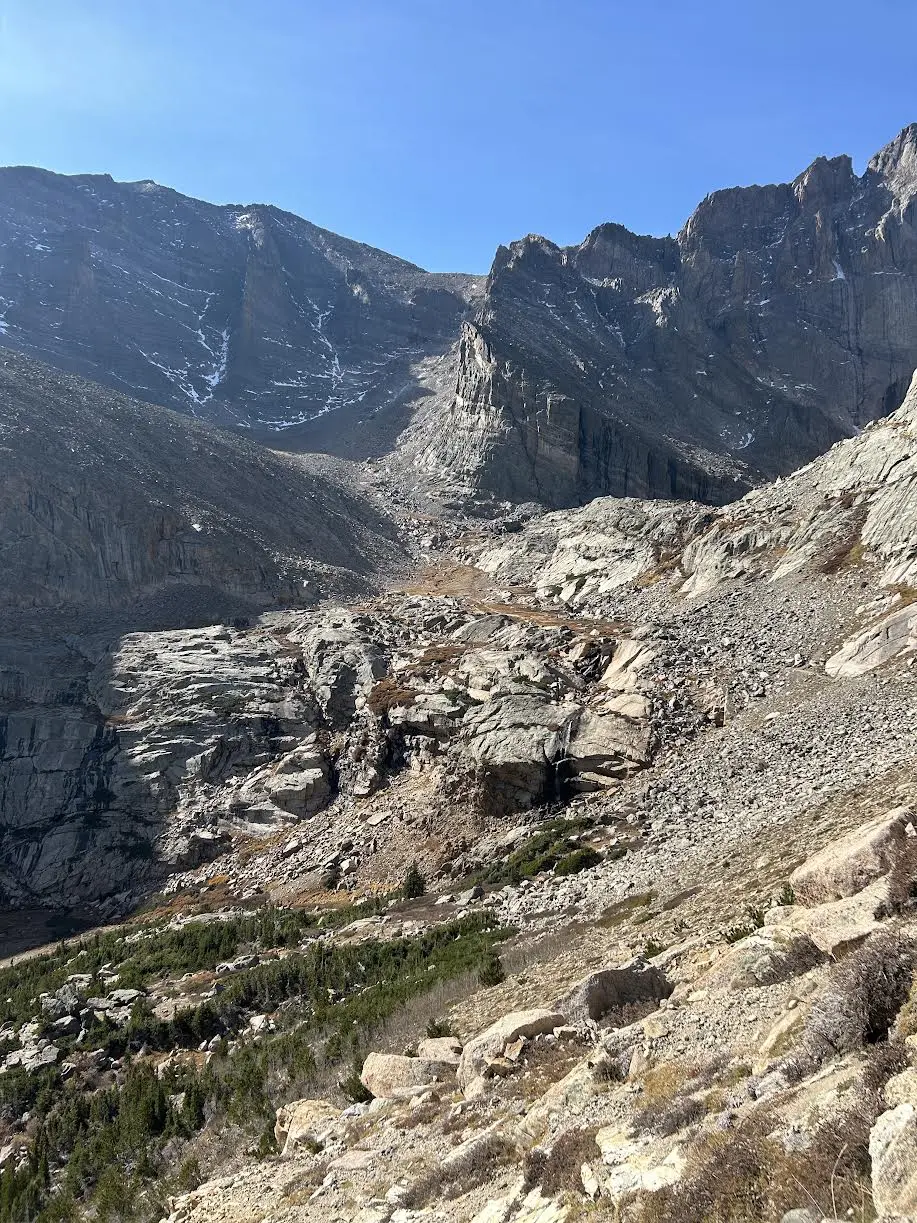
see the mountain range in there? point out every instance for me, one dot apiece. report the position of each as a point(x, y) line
point(777, 321)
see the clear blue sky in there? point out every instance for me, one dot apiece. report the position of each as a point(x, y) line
point(439, 128)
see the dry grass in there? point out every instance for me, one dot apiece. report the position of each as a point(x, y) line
point(746, 1176)
point(442, 652)
point(902, 879)
point(906, 1023)
point(621, 910)
point(462, 1170)
point(906, 594)
point(849, 551)
point(541, 1067)
point(559, 1168)
point(389, 694)
point(677, 1094)
point(454, 580)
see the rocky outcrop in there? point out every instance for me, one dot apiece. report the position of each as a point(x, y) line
point(589, 1002)
point(856, 502)
point(675, 367)
point(125, 759)
point(854, 507)
point(491, 1043)
point(893, 1151)
point(300, 1124)
point(577, 555)
point(852, 863)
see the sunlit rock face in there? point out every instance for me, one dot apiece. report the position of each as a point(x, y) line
point(779, 320)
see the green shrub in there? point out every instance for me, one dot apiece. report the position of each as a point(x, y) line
point(579, 860)
point(491, 971)
point(323, 998)
point(353, 1088)
point(437, 1028)
point(538, 853)
point(754, 921)
point(414, 883)
point(786, 896)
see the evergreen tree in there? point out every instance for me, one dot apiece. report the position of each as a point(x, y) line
point(414, 883)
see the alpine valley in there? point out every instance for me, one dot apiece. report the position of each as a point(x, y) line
point(457, 753)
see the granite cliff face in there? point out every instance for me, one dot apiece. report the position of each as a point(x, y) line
point(779, 320)
point(104, 500)
point(245, 316)
point(116, 515)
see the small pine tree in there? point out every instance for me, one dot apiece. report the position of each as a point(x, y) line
point(491, 971)
point(414, 883)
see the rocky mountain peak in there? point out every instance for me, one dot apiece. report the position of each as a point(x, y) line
point(778, 321)
point(825, 182)
point(897, 162)
point(243, 315)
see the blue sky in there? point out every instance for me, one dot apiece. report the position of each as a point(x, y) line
point(438, 129)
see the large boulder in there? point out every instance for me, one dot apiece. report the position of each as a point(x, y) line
point(602, 993)
point(893, 1152)
point(302, 1123)
point(764, 957)
point(605, 746)
point(493, 1040)
point(845, 867)
point(515, 740)
point(298, 782)
point(387, 1074)
point(894, 637)
point(839, 925)
point(441, 1049)
point(630, 659)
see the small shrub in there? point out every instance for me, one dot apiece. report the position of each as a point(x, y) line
point(754, 921)
point(353, 1088)
point(267, 1142)
point(580, 860)
point(746, 1175)
point(665, 1104)
point(619, 912)
point(462, 1170)
point(541, 852)
point(189, 1174)
point(623, 1014)
point(651, 949)
point(902, 878)
point(882, 1062)
point(491, 971)
point(437, 1028)
point(861, 1002)
point(786, 896)
point(414, 883)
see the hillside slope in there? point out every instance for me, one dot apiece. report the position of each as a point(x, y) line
point(247, 316)
point(105, 499)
